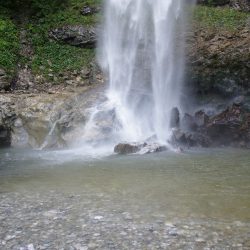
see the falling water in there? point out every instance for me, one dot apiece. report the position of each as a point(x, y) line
point(145, 68)
point(141, 51)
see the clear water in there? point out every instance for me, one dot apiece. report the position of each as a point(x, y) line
point(210, 184)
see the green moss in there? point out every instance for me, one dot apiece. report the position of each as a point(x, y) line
point(9, 42)
point(220, 18)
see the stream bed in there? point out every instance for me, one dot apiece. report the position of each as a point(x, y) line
point(199, 199)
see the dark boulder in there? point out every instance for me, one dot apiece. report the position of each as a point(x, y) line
point(127, 148)
point(189, 139)
point(230, 127)
point(174, 118)
point(201, 118)
point(188, 123)
point(239, 100)
point(178, 137)
point(198, 140)
point(5, 137)
point(75, 35)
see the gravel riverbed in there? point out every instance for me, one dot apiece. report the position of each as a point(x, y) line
point(57, 220)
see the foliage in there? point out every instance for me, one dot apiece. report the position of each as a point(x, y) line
point(9, 44)
point(45, 15)
point(223, 18)
point(55, 58)
point(51, 57)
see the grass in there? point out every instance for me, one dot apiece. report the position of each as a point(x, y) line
point(9, 42)
point(220, 18)
point(56, 58)
point(52, 57)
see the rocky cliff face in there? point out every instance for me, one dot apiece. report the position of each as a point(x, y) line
point(219, 62)
point(45, 120)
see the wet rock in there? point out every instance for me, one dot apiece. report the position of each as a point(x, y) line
point(7, 118)
point(230, 127)
point(153, 148)
point(44, 120)
point(239, 100)
point(140, 148)
point(242, 5)
point(228, 87)
point(188, 122)
point(75, 35)
point(175, 118)
point(189, 139)
point(127, 148)
point(88, 10)
point(214, 2)
point(201, 118)
point(198, 140)
point(5, 137)
point(4, 83)
point(178, 137)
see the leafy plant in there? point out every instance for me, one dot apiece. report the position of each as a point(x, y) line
point(9, 42)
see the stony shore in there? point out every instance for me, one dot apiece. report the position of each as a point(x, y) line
point(85, 221)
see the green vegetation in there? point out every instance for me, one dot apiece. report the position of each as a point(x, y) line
point(44, 15)
point(51, 57)
point(9, 42)
point(55, 58)
point(220, 18)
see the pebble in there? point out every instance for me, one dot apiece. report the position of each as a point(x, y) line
point(30, 247)
point(98, 217)
point(77, 227)
point(9, 237)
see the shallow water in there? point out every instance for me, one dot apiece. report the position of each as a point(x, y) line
point(208, 189)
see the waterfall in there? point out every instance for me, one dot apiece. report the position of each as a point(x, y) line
point(139, 53)
point(141, 50)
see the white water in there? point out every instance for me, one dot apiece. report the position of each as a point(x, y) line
point(143, 60)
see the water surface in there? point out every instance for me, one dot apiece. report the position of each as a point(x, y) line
point(192, 200)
